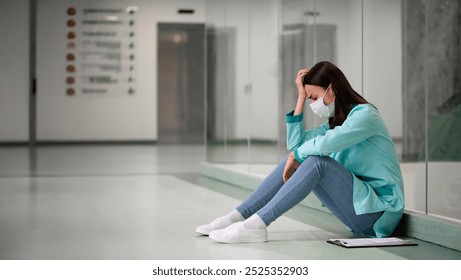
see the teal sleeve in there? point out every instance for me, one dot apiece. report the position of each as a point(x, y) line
point(296, 134)
point(300, 160)
point(359, 125)
point(295, 130)
point(290, 118)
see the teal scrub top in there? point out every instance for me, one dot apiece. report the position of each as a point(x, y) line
point(362, 144)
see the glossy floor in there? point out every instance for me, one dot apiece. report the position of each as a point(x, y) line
point(144, 202)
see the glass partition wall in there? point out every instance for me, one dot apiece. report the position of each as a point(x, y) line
point(242, 81)
point(443, 110)
point(404, 56)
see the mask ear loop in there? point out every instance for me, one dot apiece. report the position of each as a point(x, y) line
point(334, 94)
point(326, 91)
point(334, 98)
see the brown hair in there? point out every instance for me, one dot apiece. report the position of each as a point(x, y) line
point(325, 73)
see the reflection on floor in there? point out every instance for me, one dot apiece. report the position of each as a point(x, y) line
point(144, 202)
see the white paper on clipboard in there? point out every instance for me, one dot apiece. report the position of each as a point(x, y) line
point(371, 242)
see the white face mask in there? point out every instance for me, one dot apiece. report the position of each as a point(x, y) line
point(320, 109)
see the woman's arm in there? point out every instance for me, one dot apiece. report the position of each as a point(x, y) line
point(296, 133)
point(295, 127)
point(302, 95)
point(290, 167)
point(292, 163)
point(361, 123)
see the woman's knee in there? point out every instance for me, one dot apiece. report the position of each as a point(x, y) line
point(319, 162)
point(317, 159)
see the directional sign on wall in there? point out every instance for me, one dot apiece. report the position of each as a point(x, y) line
point(101, 50)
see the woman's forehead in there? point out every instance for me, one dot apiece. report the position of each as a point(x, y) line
point(313, 88)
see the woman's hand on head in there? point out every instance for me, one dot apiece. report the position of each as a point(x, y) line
point(290, 167)
point(299, 83)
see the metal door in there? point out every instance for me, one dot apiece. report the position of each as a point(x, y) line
point(181, 83)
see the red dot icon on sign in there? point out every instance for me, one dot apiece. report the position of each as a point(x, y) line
point(71, 11)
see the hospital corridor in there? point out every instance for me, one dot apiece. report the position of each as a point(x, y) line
point(125, 125)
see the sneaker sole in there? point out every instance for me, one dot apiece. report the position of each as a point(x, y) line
point(203, 232)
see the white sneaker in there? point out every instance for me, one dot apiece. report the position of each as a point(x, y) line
point(238, 233)
point(219, 223)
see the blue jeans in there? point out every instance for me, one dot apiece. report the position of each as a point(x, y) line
point(328, 179)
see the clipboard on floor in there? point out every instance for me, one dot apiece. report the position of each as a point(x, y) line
point(371, 242)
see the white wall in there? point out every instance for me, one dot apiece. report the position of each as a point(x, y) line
point(101, 117)
point(382, 62)
point(14, 70)
point(345, 15)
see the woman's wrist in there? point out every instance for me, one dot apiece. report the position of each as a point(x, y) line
point(299, 105)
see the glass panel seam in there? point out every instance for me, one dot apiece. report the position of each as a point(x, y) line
point(426, 107)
